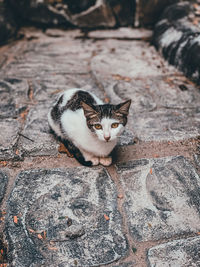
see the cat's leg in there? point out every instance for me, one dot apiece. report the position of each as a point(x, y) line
point(90, 157)
point(106, 161)
point(73, 150)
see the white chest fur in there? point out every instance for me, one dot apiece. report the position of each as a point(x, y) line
point(75, 128)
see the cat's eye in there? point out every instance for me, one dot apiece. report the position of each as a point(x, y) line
point(98, 126)
point(114, 125)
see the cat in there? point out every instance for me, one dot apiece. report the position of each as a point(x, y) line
point(88, 127)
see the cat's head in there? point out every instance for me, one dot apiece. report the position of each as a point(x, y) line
point(107, 121)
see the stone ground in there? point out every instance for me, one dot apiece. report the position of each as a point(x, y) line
point(144, 210)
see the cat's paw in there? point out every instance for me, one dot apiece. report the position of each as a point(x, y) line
point(106, 161)
point(89, 157)
point(95, 161)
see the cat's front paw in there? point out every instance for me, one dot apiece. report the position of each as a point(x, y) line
point(106, 161)
point(95, 161)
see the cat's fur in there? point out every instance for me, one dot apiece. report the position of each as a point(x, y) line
point(75, 117)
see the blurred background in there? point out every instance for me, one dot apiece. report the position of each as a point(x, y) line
point(174, 23)
point(85, 14)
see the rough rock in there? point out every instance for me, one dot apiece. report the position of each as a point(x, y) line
point(176, 35)
point(126, 138)
point(127, 264)
point(197, 156)
point(164, 104)
point(123, 33)
point(166, 125)
point(183, 252)
point(47, 58)
point(8, 27)
point(8, 138)
point(36, 138)
point(52, 203)
point(3, 184)
point(13, 97)
point(166, 197)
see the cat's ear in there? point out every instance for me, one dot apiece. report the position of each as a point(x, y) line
point(89, 111)
point(123, 108)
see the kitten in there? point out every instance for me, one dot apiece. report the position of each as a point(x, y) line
point(87, 126)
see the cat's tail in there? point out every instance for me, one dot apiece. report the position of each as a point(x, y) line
point(76, 153)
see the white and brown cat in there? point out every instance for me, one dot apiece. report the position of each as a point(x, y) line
point(87, 126)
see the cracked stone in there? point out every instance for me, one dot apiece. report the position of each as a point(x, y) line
point(39, 141)
point(13, 97)
point(197, 157)
point(126, 264)
point(183, 252)
point(52, 86)
point(126, 138)
point(3, 184)
point(166, 197)
point(49, 58)
point(45, 201)
point(75, 231)
point(8, 138)
point(164, 106)
point(121, 33)
point(166, 124)
point(116, 53)
point(141, 98)
point(167, 90)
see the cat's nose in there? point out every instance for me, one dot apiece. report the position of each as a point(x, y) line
point(107, 138)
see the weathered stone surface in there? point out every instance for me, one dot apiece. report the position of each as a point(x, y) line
point(176, 35)
point(52, 86)
point(50, 57)
point(142, 99)
point(128, 264)
point(126, 138)
point(121, 33)
point(166, 197)
point(13, 97)
point(197, 156)
point(183, 252)
point(39, 141)
point(3, 184)
point(69, 206)
point(166, 125)
point(8, 138)
point(8, 27)
point(165, 106)
point(173, 92)
point(116, 53)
